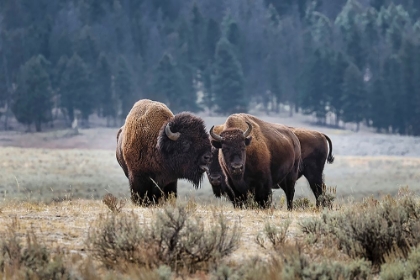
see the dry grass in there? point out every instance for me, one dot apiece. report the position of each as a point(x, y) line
point(55, 175)
point(287, 253)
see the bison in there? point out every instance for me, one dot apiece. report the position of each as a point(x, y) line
point(254, 156)
point(316, 149)
point(155, 148)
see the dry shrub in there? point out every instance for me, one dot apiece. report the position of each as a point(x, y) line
point(302, 203)
point(291, 263)
point(391, 226)
point(32, 261)
point(327, 197)
point(403, 269)
point(114, 204)
point(175, 238)
point(275, 235)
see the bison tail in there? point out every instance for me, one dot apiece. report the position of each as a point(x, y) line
point(330, 158)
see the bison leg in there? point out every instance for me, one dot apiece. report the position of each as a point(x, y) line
point(288, 186)
point(143, 190)
point(314, 176)
point(263, 196)
point(170, 190)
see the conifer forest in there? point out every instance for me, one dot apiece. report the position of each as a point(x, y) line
point(342, 61)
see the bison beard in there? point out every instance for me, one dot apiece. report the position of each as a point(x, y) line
point(156, 148)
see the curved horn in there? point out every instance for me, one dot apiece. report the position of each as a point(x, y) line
point(248, 131)
point(170, 134)
point(215, 136)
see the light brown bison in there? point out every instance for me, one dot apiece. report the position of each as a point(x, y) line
point(316, 149)
point(156, 148)
point(256, 155)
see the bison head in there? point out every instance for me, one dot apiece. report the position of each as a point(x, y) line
point(185, 147)
point(233, 142)
point(215, 172)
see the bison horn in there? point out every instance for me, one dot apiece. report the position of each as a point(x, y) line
point(215, 136)
point(248, 131)
point(170, 134)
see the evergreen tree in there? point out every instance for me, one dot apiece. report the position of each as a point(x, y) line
point(355, 106)
point(410, 94)
point(313, 98)
point(228, 80)
point(197, 40)
point(32, 100)
point(124, 86)
point(103, 89)
point(334, 91)
point(86, 48)
point(381, 105)
point(75, 89)
point(169, 86)
point(392, 79)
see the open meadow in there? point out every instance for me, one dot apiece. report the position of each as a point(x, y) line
point(52, 184)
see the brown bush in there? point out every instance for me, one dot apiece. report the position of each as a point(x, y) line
point(175, 238)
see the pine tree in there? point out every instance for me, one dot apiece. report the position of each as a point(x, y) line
point(103, 91)
point(410, 74)
point(393, 87)
point(355, 106)
point(124, 86)
point(32, 101)
point(169, 87)
point(76, 90)
point(312, 93)
point(338, 65)
point(86, 47)
point(381, 105)
point(228, 80)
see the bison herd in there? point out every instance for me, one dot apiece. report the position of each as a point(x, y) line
point(244, 158)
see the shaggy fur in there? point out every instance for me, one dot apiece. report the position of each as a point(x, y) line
point(316, 148)
point(270, 155)
point(151, 161)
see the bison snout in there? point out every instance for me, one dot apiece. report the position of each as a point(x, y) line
point(205, 161)
point(237, 168)
point(215, 179)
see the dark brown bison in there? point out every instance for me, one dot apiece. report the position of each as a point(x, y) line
point(156, 148)
point(255, 155)
point(316, 149)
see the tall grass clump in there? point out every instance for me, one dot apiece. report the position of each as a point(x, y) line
point(29, 261)
point(372, 231)
point(291, 263)
point(176, 238)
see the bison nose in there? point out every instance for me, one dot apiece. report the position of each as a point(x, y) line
point(237, 167)
point(215, 179)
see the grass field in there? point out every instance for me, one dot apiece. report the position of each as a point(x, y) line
point(56, 174)
point(52, 183)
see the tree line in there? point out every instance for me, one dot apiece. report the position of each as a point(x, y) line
point(342, 61)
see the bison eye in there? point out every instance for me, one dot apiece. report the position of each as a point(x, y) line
point(186, 145)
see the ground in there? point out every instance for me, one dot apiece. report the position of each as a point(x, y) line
point(52, 182)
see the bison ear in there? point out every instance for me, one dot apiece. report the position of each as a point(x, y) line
point(216, 144)
point(248, 140)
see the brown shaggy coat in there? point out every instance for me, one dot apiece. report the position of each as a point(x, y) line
point(272, 156)
point(316, 149)
point(151, 160)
